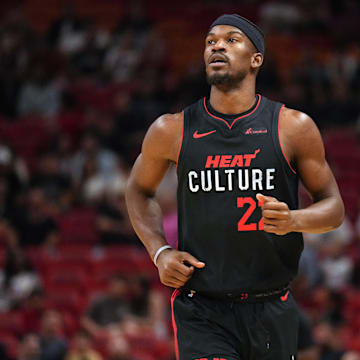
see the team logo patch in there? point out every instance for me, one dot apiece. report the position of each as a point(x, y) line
point(251, 131)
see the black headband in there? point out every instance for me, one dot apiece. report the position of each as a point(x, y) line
point(252, 31)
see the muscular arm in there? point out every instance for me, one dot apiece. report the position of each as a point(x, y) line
point(160, 148)
point(303, 146)
point(327, 210)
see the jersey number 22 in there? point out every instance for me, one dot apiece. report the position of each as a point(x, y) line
point(242, 225)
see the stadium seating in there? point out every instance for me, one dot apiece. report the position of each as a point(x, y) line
point(11, 343)
point(11, 322)
point(78, 226)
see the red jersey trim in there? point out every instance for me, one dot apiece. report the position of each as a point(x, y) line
point(182, 139)
point(235, 120)
point(282, 150)
point(173, 297)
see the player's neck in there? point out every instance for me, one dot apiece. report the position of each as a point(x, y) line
point(235, 101)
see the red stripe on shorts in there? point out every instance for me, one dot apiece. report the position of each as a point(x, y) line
point(173, 296)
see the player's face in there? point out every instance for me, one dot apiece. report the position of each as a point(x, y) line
point(228, 55)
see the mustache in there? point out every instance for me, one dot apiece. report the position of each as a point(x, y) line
point(219, 53)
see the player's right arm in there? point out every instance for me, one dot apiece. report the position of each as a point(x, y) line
point(160, 148)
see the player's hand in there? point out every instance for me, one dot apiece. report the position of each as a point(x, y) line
point(176, 267)
point(278, 218)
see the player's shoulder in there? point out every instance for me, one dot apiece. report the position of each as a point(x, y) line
point(166, 126)
point(296, 118)
point(167, 122)
point(164, 136)
point(297, 122)
point(299, 129)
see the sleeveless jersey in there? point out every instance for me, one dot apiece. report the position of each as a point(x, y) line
point(221, 167)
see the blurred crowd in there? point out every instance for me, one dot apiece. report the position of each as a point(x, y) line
point(75, 102)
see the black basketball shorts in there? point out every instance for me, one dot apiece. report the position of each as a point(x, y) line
point(212, 329)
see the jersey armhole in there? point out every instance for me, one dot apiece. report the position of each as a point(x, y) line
point(181, 147)
point(278, 141)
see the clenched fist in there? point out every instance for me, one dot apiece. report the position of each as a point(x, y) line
point(278, 218)
point(176, 267)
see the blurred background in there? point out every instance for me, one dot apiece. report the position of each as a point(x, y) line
point(80, 82)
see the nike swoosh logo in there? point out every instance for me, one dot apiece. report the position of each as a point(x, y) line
point(284, 297)
point(198, 136)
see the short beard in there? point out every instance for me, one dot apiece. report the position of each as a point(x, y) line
point(226, 81)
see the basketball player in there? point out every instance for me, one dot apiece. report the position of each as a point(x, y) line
point(239, 157)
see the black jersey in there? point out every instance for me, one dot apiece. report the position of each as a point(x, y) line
point(222, 165)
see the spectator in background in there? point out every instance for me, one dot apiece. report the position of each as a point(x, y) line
point(5, 200)
point(307, 349)
point(328, 338)
point(148, 99)
point(91, 184)
point(83, 349)
point(19, 278)
point(155, 51)
point(104, 160)
point(351, 355)
point(135, 20)
point(147, 306)
point(63, 148)
point(280, 15)
point(269, 81)
point(33, 223)
point(53, 345)
point(12, 56)
point(109, 134)
point(70, 121)
point(125, 113)
point(113, 222)
point(41, 95)
point(33, 310)
point(343, 64)
point(357, 220)
point(89, 59)
point(129, 127)
point(3, 352)
point(97, 171)
point(118, 348)
point(17, 41)
point(29, 348)
point(68, 31)
point(55, 184)
point(344, 233)
point(109, 310)
point(13, 174)
point(335, 265)
point(327, 306)
point(94, 186)
point(9, 237)
point(122, 59)
point(309, 264)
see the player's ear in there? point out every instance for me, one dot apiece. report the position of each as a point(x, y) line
point(256, 61)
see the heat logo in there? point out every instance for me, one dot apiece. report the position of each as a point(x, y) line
point(223, 161)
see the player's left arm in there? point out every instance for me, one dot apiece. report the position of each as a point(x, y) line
point(303, 146)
